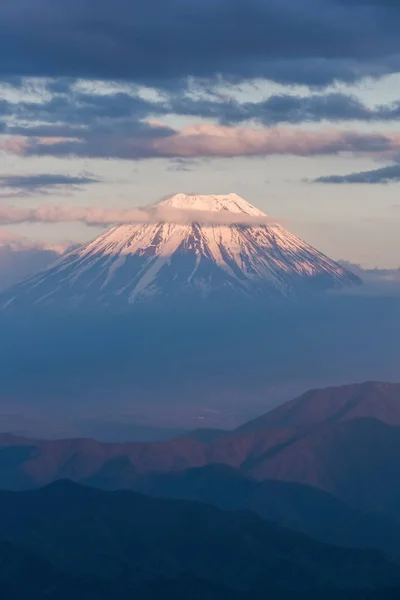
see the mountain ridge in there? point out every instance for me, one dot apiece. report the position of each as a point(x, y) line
point(324, 467)
point(309, 452)
point(126, 537)
point(377, 399)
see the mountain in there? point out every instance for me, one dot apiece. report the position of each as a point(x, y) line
point(348, 446)
point(125, 538)
point(193, 247)
point(296, 506)
point(357, 461)
point(372, 399)
point(25, 574)
point(325, 464)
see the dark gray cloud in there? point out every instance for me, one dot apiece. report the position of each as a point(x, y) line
point(182, 165)
point(122, 128)
point(23, 185)
point(12, 80)
point(73, 114)
point(78, 107)
point(281, 108)
point(388, 174)
point(4, 107)
point(44, 180)
point(60, 85)
point(164, 41)
point(124, 125)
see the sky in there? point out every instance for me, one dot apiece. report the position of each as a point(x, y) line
point(293, 105)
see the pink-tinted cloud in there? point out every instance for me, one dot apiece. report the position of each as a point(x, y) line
point(14, 145)
point(93, 216)
point(216, 140)
point(207, 140)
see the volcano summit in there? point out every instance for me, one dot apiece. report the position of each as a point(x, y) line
point(194, 248)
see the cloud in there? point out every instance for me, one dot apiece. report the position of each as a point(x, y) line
point(377, 282)
point(79, 108)
point(13, 145)
point(206, 140)
point(123, 125)
point(92, 216)
point(388, 174)
point(182, 164)
point(28, 184)
point(72, 113)
point(163, 41)
point(279, 108)
point(12, 81)
point(16, 243)
point(21, 257)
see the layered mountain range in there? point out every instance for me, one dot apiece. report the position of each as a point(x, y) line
point(304, 440)
point(316, 479)
point(325, 463)
point(190, 249)
point(68, 541)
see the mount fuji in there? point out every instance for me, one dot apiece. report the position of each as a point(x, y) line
point(193, 248)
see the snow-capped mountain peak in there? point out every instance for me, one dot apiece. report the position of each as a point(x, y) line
point(210, 203)
point(228, 259)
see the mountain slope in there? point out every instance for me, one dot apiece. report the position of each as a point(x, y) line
point(296, 506)
point(355, 460)
point(25, 574)
point(345, 447)
point(158, 468)
point(124, 537)
point(304, 440)
point(201, 247)
point(376, 400)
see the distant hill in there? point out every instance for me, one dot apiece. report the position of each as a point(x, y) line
point(128, 539)
point(297, 506)
point(325, 464)
point(345, 441)
point(377, 400)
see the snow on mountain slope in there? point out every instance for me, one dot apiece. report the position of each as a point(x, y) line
point(239, 256)
point(231, 202)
